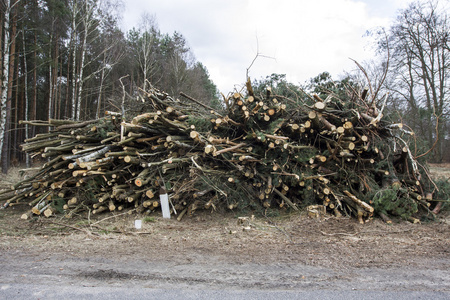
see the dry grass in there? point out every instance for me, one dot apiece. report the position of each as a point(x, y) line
point(440, 171)
point(13, 176)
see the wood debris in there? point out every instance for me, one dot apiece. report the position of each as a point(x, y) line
point(261, 152)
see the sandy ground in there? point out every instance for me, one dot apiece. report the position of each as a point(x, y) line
point(213, 251)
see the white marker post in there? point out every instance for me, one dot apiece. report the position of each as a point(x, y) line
point(138, 224)
point(164, 198)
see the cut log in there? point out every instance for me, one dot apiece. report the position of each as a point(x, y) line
point(360, 203)
point(319, 106)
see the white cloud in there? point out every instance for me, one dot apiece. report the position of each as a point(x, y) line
point(304, 37)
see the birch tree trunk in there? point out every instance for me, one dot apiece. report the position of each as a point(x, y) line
point(102, 78)
point(74, 58)
point(6, 53)
point(7, 109)
point(145, 59)
point(80, 77)
point(89, 23)
point(145, 55)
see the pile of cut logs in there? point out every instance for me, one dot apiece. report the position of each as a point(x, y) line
point(259, 152)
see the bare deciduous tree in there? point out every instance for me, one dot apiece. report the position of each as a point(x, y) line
point(421, 65)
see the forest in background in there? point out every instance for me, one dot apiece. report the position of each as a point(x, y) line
point(64, 59)
point(69, 59)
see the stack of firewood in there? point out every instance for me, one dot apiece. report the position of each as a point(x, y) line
point(259, 152)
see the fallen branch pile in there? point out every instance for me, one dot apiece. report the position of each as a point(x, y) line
point(263, 151)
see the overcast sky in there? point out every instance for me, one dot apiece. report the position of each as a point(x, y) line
point(302, 37)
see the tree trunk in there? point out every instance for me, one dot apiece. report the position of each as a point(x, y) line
point(50, 85)
point(25, 82)
point(11, 61)
point(67, 102)
point(4, 99)
point(74, 59)
point(34, 102)
point(56, 99)
point(13, 144)
point(80, 77)
point(87, 27)
point(102, 78)
point(60, 101)
point(1, 47)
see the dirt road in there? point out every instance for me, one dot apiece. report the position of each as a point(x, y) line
point(287, 253)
